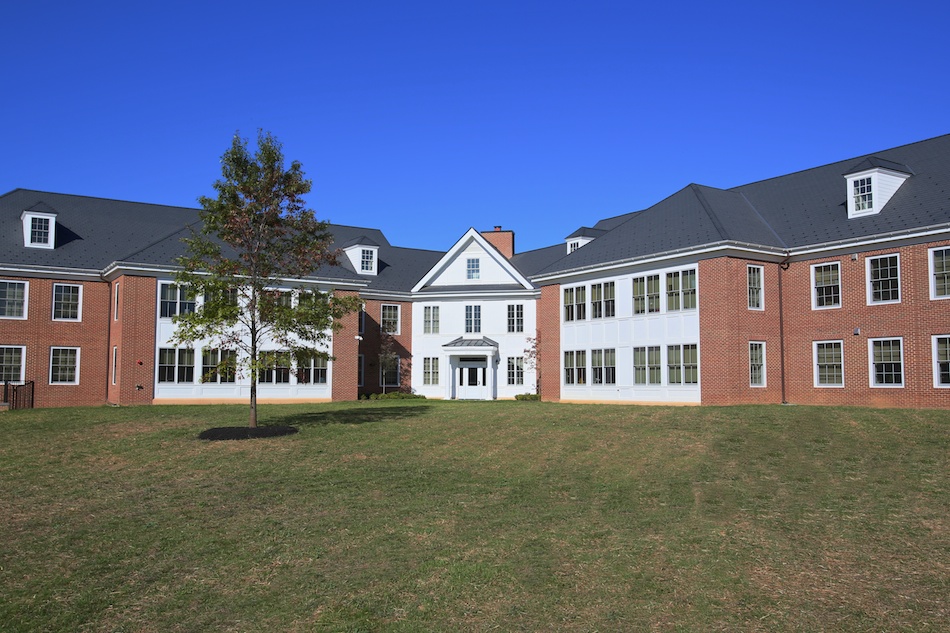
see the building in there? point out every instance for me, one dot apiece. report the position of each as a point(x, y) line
point(825, 286)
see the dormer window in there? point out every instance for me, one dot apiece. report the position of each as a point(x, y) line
point(39, 229)
point(367, 261)
point(872, 183)
point(363, 254)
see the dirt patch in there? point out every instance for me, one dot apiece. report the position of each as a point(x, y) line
point(245, 432)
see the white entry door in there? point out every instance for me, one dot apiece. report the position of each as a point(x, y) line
point(471, 381)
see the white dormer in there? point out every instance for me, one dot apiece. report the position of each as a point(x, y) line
point(363, 254)
point(580, 237)
point(39, 228)
point(872, 183)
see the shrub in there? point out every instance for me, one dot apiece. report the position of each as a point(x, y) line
point(528, 396)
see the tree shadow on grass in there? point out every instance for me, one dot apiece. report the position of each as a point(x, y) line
point(353, 415)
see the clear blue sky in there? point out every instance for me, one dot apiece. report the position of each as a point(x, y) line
point(426, 118)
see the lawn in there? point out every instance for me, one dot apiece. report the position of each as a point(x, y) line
point(496, 516)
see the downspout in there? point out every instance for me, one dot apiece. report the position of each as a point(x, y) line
point(783, 266)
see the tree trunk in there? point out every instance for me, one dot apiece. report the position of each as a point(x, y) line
point(252, 421)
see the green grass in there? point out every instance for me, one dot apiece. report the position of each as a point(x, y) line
point(453, 516)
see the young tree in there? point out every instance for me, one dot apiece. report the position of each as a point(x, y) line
point(257, 236)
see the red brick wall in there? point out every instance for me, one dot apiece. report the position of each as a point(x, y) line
point(134, 335)
point(38, 333)
point(504, 241)
point(727, 326)
point(549, 342)
point(345, 351)
point(916, 318)
point(371, 344)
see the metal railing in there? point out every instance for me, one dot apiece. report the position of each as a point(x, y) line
point(18, 395)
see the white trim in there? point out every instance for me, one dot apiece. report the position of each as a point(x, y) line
point(761, 306)
point(50, 374)
point(867, 280)
point(78, 318)
point(115, 301)
point(22, 349)
point(115, 362)
point(27, 217)
point(398, 329)
point(26, 299)
point(871, 382)
point(935, 365)
point(489, 251)
point(814, 287)
point(814, 363)
point(930, 271)
point(764, 366)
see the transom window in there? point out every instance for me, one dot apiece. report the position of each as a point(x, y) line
point(754, 275)
point(756, 364)
point(430, 320)
point(472, 268)
point(176, 300)
point(11, 364)
point(829, 364)
point(473, 319)
point(64, 366)
point(389, 319)
point(67, 300)
point(516, 318)
point(826, 280)
point(940, 267)
point(887, 362)
point(863, 199)
point(13, 295)
point(884, 279)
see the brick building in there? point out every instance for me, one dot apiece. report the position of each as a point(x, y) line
point(825, 286)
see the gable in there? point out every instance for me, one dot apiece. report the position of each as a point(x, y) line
point(472, 263)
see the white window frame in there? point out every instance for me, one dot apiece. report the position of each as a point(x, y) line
point(760, 290)
point(430, 371)
point(28, 217)
point(367, 260)
point(430, 319)
point(22, 349)
point(115, 301)
point(382, 372)
point(473, 268)
point(762, 369)
point(78, 318)
point(515, 318)
point(932, 269)
point(180, 298)
point(870, 288)
point(814, 286)
point(871, 373)
point(26, 299)
point(473, 319)
point(382, 321)
point(78, 364)
point(937, 360)
point(515, 370)
point(115, 362)
point(814, 362)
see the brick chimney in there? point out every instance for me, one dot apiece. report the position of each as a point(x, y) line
point(504, 241)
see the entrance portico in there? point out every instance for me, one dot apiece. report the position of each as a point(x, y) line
point(473, 364)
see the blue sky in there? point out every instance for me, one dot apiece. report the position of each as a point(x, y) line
point(426, 118)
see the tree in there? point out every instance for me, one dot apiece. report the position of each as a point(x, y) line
point(532, 357)
point(258, 236)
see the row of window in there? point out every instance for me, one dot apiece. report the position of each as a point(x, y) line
point(63, 364)
point(885, 362)
point(14, 301)
point(681, 362)
point(649, 296)
point(430, 370)
point(883, 274)
point(178, 365)
point(473, 319)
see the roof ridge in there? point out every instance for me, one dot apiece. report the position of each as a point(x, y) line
point(157, 241)
point(764, 221)
point(709, 211)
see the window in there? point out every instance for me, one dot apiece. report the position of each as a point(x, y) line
point(115, 363)
point(362, 319)
point(430, 371)
point(680, 291)
point(64, 366)
point(13, 299)
point(756, 364)
point(884, 279)
point(568, 304)
point(646, 366)
point(575, 303)
point(861, 193)
point(887, 362)
point(603, 364)
point(430, 320)
point(940, 273)
point(367, 260)
point(311, 368)
point(472, 269)
point(67, 302)
point(826, 286)
point(681, 362)
point(575, 368)
point(218, 365)
point(389, 371)
point(572, 246)
point(941, 352)
point(11, 363)
point(602, 300)
point(39, 230)
point(516, 318)
point(673, 292)
point(359, 370)
point(389, 319)
point(175, 300)
point(473, 319)
point(115, 299)
point(754, 275)
point(515, 370)
point(274, 367)
point(646, 294)
point(829, 364)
